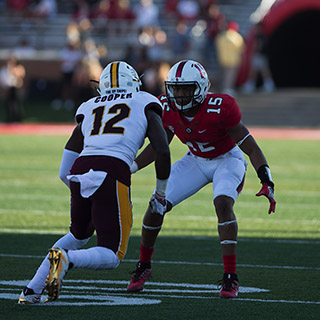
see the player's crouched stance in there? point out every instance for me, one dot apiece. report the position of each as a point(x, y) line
point(96, 167)
point(210, 125)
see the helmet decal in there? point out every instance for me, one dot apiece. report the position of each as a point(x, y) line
point(180, 67)
point(114, 75)
point(203, 72)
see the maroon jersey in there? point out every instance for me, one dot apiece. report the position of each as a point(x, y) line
point(206, 134)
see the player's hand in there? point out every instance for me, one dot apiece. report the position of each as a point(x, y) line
point(268, 191)
point(158, 204)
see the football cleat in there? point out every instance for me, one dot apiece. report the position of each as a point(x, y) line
point(28, 296)
point(140, 276)
point(59, 264)
point(229, 286)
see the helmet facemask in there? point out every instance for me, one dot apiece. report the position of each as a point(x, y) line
point(183, 95)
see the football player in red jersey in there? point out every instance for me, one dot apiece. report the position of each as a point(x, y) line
point(210, 125)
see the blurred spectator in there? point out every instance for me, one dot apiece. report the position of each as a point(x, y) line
point(122, 10)
point(94, 52)
point(81, 11)
point(181, 42)
point(154, 77)
point(147, 14)
point(73, 32)
point(90, 49)
point(230, 47)
point(11, 80)
point(259, 65)
point(154, 40)
point(164, 69)
point(70, 56)
point(122, 17)
point(142, 60)
point(215, 21)
point(170, 8)
point(100, 15)
point(17, 7)
point(188, 11)
point(86, 73)
point(24, 50)
point(45, 9)
point(150, 80)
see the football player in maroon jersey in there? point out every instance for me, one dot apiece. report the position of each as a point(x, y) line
point(210, 125)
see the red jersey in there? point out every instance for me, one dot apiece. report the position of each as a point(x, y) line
point(206, 134)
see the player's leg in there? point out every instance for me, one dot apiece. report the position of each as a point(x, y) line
point(180, 186)
point(112, 220)
point(110, 215)
point(32, 292)
point(227, 184)
point(81, 228)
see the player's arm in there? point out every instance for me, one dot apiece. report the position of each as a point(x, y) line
point(147, 156)
point(159, 142)
point(160, 152)
point(70, 153)
point(241, 135)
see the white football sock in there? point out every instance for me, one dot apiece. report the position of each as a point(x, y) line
point(94, 258)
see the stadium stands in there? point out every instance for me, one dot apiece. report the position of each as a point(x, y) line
point(50, 36)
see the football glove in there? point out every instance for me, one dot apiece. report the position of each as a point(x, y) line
point(268, 191)
point(158, 204)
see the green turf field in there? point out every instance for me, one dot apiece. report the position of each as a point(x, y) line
point(278, 254)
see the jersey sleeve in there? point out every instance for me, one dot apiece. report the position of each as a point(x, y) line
point(232, 114)
point(165, 114)
point(80, 113)
point(156, 107)
point(150, 102)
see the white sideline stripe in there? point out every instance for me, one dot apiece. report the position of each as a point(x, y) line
point(182, 263)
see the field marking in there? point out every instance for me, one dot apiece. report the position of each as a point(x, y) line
point(69, 285)
point(98, 300)
point(238, 299)
point(146, 297)
point(18, 256)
